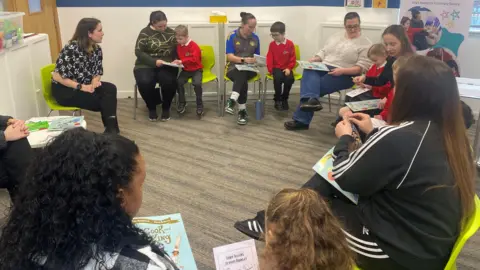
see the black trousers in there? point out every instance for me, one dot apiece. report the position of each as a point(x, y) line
point(196, 76)
point(240, 83)
point(103, 100)
point(15, 158)
point(279, 79)
point(347, 213)
point(147, 78)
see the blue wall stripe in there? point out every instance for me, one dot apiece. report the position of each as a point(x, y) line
point(210, 3)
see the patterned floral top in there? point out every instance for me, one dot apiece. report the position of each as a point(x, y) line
point(77, 65)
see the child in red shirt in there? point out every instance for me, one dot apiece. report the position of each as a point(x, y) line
point(281, 60)
point(190, 56)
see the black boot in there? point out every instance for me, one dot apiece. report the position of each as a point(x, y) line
point(278, 105)
point(111, 125)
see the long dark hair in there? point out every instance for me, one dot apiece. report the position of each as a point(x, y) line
point(84, 27)
point(399, 32)
point(68, 210)
point(404, 20)
point(157, 16)
point(246, 17)
point(427, 89)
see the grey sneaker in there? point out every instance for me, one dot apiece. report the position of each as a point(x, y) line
point(242, 118)
point(230, 108)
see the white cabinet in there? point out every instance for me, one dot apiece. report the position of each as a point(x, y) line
point(21, 95)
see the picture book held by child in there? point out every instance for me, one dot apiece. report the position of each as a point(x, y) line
point(366, 105)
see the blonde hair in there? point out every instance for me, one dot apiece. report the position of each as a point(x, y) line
point(377, 50)
point(181, 30)
point(303, 234)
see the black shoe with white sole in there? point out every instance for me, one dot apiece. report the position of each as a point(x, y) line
point(250, 227)
point(165, 116)
point(152, 115)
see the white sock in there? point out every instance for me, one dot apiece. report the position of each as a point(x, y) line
point(242, 106)
point(235, 96)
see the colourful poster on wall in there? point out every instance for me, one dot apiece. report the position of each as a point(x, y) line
point(354, 3)
point(437, 28)
point(379, 4)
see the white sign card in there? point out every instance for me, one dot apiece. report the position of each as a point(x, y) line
point(236, 256)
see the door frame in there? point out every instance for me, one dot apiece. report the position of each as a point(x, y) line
point(11, 6)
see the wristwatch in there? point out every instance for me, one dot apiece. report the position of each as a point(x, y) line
point(243, 59)
point(78, 87)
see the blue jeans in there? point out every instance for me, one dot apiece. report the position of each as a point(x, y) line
point(316, 84)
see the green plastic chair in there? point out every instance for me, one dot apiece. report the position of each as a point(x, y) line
point(46, 75)
point(298, 77)
point(471, 227)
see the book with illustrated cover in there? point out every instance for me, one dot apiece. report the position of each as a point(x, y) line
point(169, 231)
point(324, 168)
point(36, 126)
point(365, 105)
point(313, 65)
point(64, 123)
point(356, 92)
point(247, 67)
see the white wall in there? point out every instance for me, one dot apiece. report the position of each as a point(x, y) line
point(122, 25)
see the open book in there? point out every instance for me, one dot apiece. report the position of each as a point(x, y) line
point(313, 65)
point(356, 92)
point(261, 60)
point(169, 232)
point(365, 105)
point(247, 67)
point(324, 168)
point(172, 64)
point(65, 123)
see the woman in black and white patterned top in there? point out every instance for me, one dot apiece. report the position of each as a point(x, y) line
point(76, 79)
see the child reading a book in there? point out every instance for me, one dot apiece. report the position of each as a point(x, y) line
point(302, 233)
point(281, 60)
point(378, 55)
point(190, 56)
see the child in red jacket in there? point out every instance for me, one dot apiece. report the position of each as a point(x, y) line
point(190, 57)
point(281, 60)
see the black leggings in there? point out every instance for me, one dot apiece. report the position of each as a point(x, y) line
point(103, 100)
point(147, 78)
point(240, 83)
point(354, 230)
point(14, 160)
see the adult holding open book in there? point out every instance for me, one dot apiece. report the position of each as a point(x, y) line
point(75, 209)
point(241, 46)
point(345, 55)
point(76, 80)
point(156, 48)
point(414, 177)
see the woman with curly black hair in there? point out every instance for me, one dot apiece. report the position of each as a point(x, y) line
point(75, 208)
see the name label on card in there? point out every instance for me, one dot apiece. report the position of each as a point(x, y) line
point(241, 255)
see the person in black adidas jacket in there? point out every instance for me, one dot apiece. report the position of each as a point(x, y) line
point(414, 178)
